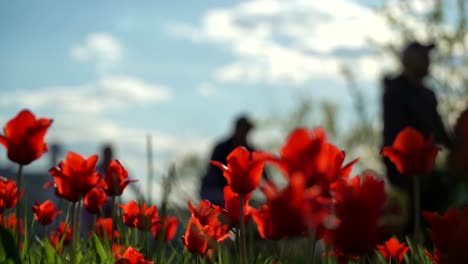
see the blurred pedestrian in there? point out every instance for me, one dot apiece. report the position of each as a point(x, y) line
point(213, 181)
point(407, 101)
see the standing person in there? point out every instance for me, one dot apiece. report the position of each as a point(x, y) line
point(107, 155)
point(407, 101)
point(213, 182)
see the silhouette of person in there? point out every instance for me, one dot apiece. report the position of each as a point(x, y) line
point(213, 181)
point(107, 154)
point(407, 101)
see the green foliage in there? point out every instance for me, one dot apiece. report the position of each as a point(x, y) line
point(101, 255)
point(9, 250)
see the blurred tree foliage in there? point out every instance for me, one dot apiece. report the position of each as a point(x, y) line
point(443, 22)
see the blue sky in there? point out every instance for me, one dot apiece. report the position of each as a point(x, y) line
point(179, 70)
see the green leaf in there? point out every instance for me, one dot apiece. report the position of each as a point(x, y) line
point(101, 255)
point(49, 251)
point(11, 250)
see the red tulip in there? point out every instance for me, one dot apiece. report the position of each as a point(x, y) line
point(45, 213)
point(208, 215)
point(359, 207)
point(411, 153)
point(143, 218)
point(116, 178)
point(130, 213)
point(24, 137)
point(287, 212)
point(449, 234)
point(204, 230)
point(10, 222)
point(147, 217)
point(103, 229)
point(231, 205)
point(206, 212)
point(195, 239)
point(132, 256)
point(75, 175)
point(63, 232)
point(393, 249)
point(307, 152)
point(244, 169)
point(95, 200)
point(169, 227)
point(8, 194)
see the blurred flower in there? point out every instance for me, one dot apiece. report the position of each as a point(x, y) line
point(118, 250)
point(412, 154)
point(132, 256)
point(103, 228)
point(130, 213)
point(143, 218)
point(307, 152)
point(116, 178)
point(75, 175)
point(195, 240)
point(95, 200)
point(244, 169)
point(147, 217)
point(205, 212)
point(24, 137)
point(63, 232)
point(231, 205)
point(169, 227)
point(8, 194)
point(286, 211)
point(204, 230)
point(449, 234)
point(359, 207)
point(393, 249)
point(45, 213)
point(64, 189)
point(10, 222)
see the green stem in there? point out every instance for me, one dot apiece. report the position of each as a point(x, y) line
point(312, 241)
point(78, 220)
point(113, 220)
point(326, 253)
point(147, 238)
point(18, 195)
point(417, 209)
point(243, 246)
point(74, 231)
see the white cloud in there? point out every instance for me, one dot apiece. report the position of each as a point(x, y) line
point(291, 42)
point(100, 48)
point(206, 89)
point(110, 92)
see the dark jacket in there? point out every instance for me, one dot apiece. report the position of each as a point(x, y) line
point(213, 181)
point(409, 104)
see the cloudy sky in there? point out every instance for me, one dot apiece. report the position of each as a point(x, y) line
point(178, 70)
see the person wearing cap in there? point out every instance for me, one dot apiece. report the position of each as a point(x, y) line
point(213, 181)
point(407, 101)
